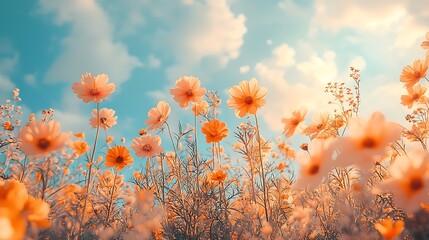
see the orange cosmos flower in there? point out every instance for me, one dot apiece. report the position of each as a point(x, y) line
point(409, 180)
point(200, 108)
point(147, 146)
point(40, 139)
point(93, 89)
point(80, 135)
point(218, 175)
point(412, 74)
point(368, 140)
point(109, 139)
point(187, 90)
point(414, 95)
point(119, 157)
point(293, 122)
point(158, 115)
point(389, 229)
point(37, 212)
point(215, 131)
point(8, 126)
point(106, 118)
point(319, 123)
point(80, 147)
point(246, 97)
point(315, 164)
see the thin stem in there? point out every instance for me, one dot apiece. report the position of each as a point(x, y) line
point(264, 190)
point(109, 210)
point(88, 179)
point(176, 160)
point(196, 150)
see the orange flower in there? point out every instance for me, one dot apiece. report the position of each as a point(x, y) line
point(40, 139)
point(106, 118)
point(412, 74)
point(158, 115)
point(246, 97)
point(215, 131)
point(119, 157)
point(147, 146)
point(80, 135)
point(109, 139)
point(37, 211)
point(187, 90)
point(319, 123)
point(80, 147)
point(8, 126)
point(281, 166)
point(368, 140)
point(293, 122)
point(12, 225)
point(389, 229)
point(315, 165)
point(409, 180)
point(414, 95)
point(93, 89)
point(218, 175)
point(200, 108)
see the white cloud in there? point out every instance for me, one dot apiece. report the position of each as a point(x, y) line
point(322, 69)
point(358, 62)
point(244, 69)
point(406, 21)
point(30, 79)
point(90, 46)
point(269, 42)
point(153, 62)
point(8, 60)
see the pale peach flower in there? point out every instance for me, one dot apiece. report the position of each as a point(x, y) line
point(147, 146)
point(409, 181)
point(109, 139)
point(425, 45)
point(367, 142)
point(158, 115)
point(319, 123)
point(292, 123)
point(247, 97)
point(389, 229)
point(200, 108)
point(40, 139)
point(412, 74)
point(106, 118)
point(187, 90)
point(414, 95)
point(80, 147)
point(93, 89)
point(315, 164)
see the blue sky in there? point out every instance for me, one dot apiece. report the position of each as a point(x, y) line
point(292, 47)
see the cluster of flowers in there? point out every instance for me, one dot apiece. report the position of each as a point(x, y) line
point(357, 178)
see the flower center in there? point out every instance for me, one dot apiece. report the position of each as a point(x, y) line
point(319, 126)
point(417, 74)
point(314, 169)
point(103, 120)
point(43, 143)
point(248, 100)
point(368, 142)
point(119, 159)
point(160, 117)
point(147, 147)
point(416, 96)
point(189, 93)
point(94, 92)
point(416, 184)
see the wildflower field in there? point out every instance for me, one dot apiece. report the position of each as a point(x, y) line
point(358, 177)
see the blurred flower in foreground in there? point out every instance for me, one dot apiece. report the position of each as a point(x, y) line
point(147, 146)
point(158, 115)
point(119, 157)
point(106, 118)
point(215, 131)
point(187, 90)
point(367, 141)
point(93, 89)
point(40, 139)
point(314, 164)
point(246, 97)
point(389, 229)
point(412, 74)
point(425, 45)
point(409, 181)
